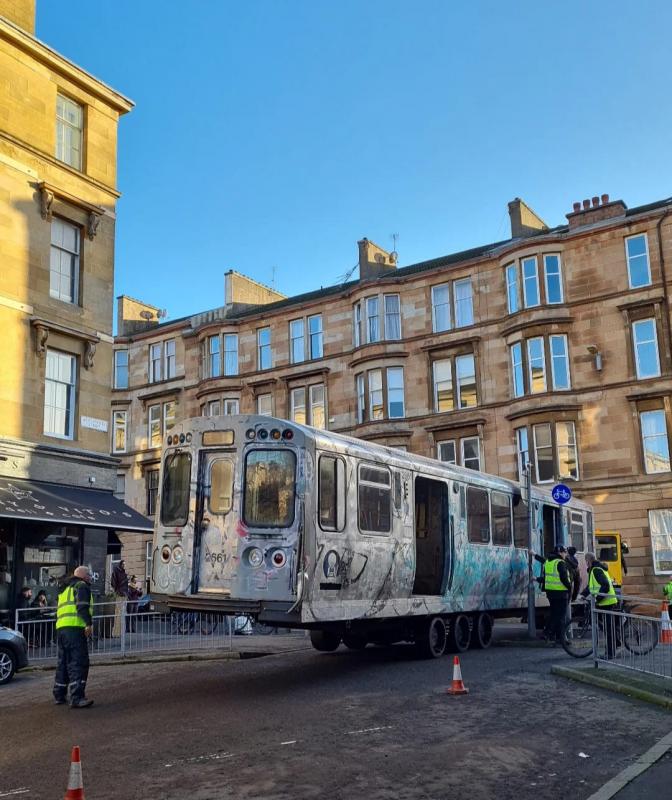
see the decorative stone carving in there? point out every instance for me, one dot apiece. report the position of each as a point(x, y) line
point(46, 202)
point(41, 336)
point(92, 225)
point(89, 354)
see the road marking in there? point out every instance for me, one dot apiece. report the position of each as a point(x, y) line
point(11, 792)
point(369, 730)
point(628, 775)
point(291, 741)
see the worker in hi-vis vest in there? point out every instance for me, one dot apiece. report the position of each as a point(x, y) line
point(74, 625)
point(601, 586)
point(556, 582)
point(667, 591)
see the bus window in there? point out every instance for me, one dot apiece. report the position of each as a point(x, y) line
point(221, 486)
point(501, 518)
point(576, 530)
point(374, 500)
point(269, 488)
point(478, 515)
point(521, 522)
point(175, 492)
point(332, 493)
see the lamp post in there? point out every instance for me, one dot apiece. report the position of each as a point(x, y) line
point(531, 609)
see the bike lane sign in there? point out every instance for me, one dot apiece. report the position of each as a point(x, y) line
point(561, 494)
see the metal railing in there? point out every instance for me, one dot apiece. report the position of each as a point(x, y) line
point(119, 629)
point(632, 635)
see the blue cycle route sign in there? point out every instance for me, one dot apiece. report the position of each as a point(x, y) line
point(561, 493)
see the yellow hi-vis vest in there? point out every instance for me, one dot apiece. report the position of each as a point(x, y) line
point(552, 582)
point(667, 590)
point(66, 613)
point(610, 599)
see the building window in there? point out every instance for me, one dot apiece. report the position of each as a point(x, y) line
point(213, 408)
point(470, 452)
point(119, 422)
point(297, 341)
point(465, 370)
point(69, 131)
point(60, 388)
point(169, 352)
point(660, 525)
point(230, 353)
point(553, 279)
point(637, 254)
point(380, 394)
point(152, 483)
point(654, 441)
point(376, 406)
point(530, 282)
point(357, 324)
point(447, 452)
point(523, 452)
point(443, 385)
point(314, 414)
point(121, 369)
point(536, 363)
point(464, 303)
point(646, 348)
point(512, 288)
point(559, 362)
point(361, 399)
point(317, 405)
point(528, 365)
point(265, 404)
point(120, 487)
point(459, 372)
point(441, 317)
point(517, 369)
point(168, 416)
point(372, 320)
point(154, 425)
point(395, 392)
point(298, 406)
point(149, 560)
point(214, 357)
point(64, 261)
point(231, 406)
point(315, 334)
point(555, 451)
point(264, 348)
point(155, 362)
point(392, 316)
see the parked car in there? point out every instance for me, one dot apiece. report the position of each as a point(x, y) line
point(13, 653)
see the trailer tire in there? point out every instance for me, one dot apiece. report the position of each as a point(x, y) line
point(430, 638)
point(459, 635)
point(355, 641)
point(325, 641)
point(481, 635)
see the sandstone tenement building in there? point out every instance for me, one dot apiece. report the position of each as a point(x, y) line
point(553, 345)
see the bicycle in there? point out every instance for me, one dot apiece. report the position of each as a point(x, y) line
point(245, 625)
point(184, 623)
point(637, 636)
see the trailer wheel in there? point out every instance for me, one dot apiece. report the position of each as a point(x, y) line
point(325, 641)
point(355, 641)
point(481, 637)
point(459, 634)
point(430, 638)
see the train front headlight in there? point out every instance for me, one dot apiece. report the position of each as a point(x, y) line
point(255, 557)
point(165, 554)
point(178, 554)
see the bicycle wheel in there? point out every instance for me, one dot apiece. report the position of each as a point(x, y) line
point(640, 636)
point(242, 625)
point(208, 624)
point(263, 629)
point(577, 640)
point(181, 622)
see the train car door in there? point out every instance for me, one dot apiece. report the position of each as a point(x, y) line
point(551, 528)
point(432, 536)
point(213, 553)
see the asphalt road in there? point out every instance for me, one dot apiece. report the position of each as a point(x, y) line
point(376, 724)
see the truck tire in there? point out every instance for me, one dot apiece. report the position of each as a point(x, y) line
point(459, 635)
point(7, 665)
point(325, 641)
point(430, 638)
point(481, 635)
point(355, 641)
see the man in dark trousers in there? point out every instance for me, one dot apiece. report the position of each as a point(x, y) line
point(74, 625)
point(557, 584)
point(601, 587)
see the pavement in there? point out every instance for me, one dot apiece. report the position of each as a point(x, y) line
point(375, 724)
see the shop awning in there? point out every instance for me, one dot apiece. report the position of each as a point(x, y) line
point(68, 505)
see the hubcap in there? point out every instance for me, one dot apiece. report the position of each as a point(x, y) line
point(5, 666)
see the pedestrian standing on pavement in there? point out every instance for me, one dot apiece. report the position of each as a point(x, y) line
point(25, 599)
point(667, 591)
point(555, 581)
point(74, 625)
point(119, 583)
point(601, 586)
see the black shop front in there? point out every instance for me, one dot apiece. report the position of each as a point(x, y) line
point(46, 530)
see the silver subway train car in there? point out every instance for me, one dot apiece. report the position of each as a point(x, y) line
point(356, 542)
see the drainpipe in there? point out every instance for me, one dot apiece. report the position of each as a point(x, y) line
point(666, 295)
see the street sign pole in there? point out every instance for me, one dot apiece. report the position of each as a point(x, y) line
point(531, 609)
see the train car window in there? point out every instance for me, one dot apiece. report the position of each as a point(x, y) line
point(397, 491)
point(269, 488)
point(175, 491)
point(478, 515)
point(576, 529)
point(221, 486)
point(520, 522)
point(332, 493)
point(463, 501)
point(501, 518)
point(373, 498)
point(590, 533)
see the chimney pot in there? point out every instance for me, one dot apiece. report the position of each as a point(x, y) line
point(596, 201)
point(577, 207)
point(586, 205)
point(605, 199)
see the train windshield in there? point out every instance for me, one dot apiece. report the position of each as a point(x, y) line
point(175, 493)
point(269, 488)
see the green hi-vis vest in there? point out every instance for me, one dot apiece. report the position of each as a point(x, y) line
point(552, 582)
point(66, 613)
point(667, 590)
point(610, 598)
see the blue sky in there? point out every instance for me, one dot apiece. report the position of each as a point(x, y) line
point(274, 134)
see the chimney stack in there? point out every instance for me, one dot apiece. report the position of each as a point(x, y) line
point(524, 222)
point(374, 262)
point(596, 209)
point(20, 12)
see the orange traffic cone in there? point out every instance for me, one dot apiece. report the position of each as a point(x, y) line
point(665, 625)
point(75, 785)
point(457, 686)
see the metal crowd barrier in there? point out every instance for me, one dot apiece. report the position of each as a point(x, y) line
point(633, 636)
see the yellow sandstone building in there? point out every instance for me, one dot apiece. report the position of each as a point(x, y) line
point(58, 154)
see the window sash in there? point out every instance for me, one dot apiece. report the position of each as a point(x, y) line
point(553, 279)
point(60, 395)
point(441, 320)
point(155, 362)
point(315, 333)
point(64, 262)
point(645, 339)
point(119, 423)
point(169, 353)
point(522, 451)
point(470, 452)
point(444, 399)
point(530, 282)
point(543, 452)
point(69, 130)
point(560, 362)
point(464, 305)
point(376, 407)
point(298, 406)
point(655, 445)
point(392, 306)
point(297, 341)
point(265, 404)
point(536, 365)
point(568, 456)
point(518, 374)
point(214, 357)
point(639, 266)
point(357, 324)
point(512, 288)
point(121, 369)
point(465, 372)
point(214, 408)
point(361, 398)
point(154, 426)
point(395, 393)
point(231, 406)
point(317, 400)
point(230, 353)
point(660, 526)
point(152, 482)
point(372, 320)
point(264, 348)
point(447, 452)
